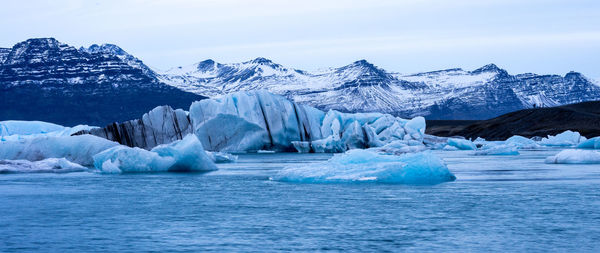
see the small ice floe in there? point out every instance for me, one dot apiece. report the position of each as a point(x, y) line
point(50, 165)
point(186, 155)
point(262, 151)
point(357, 166)
point(461, 144)
point(575, 156)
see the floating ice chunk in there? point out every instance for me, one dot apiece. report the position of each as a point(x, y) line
point(462, 144)
point(265, 151)
point(50, 165)
point(221, 157)
point(498, 150)
point(522, 142)
point(78, 149)
point(18, 127)
point(14, 130)
point(575, 156)
point(592, 143)
point(367, 166)
point(566, 138)
point(183, 155)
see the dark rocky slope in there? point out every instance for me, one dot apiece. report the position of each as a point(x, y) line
point(582, 117)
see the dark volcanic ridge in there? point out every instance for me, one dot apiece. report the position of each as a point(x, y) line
point(582, 117)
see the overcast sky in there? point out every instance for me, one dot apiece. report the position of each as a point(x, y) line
point(404, 36)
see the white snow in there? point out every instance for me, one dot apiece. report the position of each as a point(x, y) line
point(367, 166)
point(183, 155)
point(575, 156)
point(50, 165)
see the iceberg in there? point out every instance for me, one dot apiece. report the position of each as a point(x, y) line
point(498, 150)
point(522, 142)
point(18, 127)
point(566, 138)
point(185, 155)
point(253, 120)
point(14, 130)
point(50, 165)
point(592, 143)
point(78, 149)
point(162, 125)
point(248, 121)
point(368, 166)
point(462, 144)
point(575, 156)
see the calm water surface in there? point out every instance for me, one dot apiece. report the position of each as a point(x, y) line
point(515, 204)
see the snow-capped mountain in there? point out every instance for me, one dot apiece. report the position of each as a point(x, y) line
point(362, 87)
point(44, 79)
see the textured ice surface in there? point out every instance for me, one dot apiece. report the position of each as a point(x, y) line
point(498, 150)
point(184, 155)
point(50, 165)
point(462, 144)
point(12, 130)
point(18, 127)
point(566, 138)
point(400, 147)
point(368, 166)
point(250, 121)
point(78, 149)
point(522, 142)
point(592, 143)
point(259, 120)
point(575, 156)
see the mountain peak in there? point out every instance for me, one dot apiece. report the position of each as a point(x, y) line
point(104, 48)
point(206, 65)
point(262, 60)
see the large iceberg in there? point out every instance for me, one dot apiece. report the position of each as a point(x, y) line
point(575, 156)
point(78, 149)
point(50, 165)
point(592, 143)
point(186, 155)
point(367, 166)
point(566, 138)
point(258, 120)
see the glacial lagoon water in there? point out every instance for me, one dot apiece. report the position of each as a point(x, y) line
point(497, 203)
